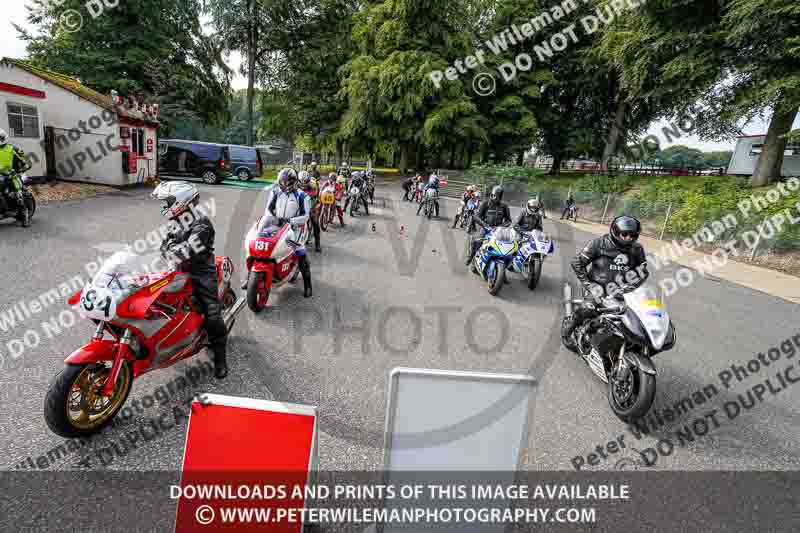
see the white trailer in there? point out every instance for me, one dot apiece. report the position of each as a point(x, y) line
point(748, 150)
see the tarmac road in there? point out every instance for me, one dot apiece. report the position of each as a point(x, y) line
point(404, 284)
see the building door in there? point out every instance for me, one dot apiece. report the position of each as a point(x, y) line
point(50, 152)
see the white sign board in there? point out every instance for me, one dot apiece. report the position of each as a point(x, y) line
point(448, 421)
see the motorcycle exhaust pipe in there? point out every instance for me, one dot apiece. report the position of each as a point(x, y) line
point(230, 315)
point(568, 309)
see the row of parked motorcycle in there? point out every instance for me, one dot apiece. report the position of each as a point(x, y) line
point(148, 320)
point(504, 250)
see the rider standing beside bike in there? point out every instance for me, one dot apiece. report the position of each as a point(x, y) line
point(569, 205)
point(341, 190)
point(193, 244)
point(311, 189)
point(617, 260)
point(12, 161)
point(284, 204)
point(490, 215)
point(408, 185)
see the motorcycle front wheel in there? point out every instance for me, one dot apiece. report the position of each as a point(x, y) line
point(497, 280)
point(534, 272)
point(631, 395)
point(323, 219)
point(73, 405)
point(257, 294)
point(30, 203)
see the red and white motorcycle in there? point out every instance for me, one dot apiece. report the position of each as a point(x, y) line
point(153, 322)
point(273, 251)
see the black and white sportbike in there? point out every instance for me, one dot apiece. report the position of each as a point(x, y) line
point(618, 345)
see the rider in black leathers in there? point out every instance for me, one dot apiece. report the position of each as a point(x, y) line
point(193, 245)
point(618, 265)
point(491, 214)
point(530, 218)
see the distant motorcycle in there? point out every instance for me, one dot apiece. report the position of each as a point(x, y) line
point(572, 213)
point(327, 200)
point(356, 196)
point(429, 202)
point(465, 214)
point(535, 248)
point(618, 346)
point(497, 252)
point(9, 203)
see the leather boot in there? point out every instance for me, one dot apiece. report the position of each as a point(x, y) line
point(246, 281)
point(220, 361)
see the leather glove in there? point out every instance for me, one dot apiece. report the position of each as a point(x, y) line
point(596, 292)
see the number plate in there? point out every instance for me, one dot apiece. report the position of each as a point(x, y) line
point(328, 198)
point(98, 303)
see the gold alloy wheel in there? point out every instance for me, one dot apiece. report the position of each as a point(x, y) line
point(86, 407)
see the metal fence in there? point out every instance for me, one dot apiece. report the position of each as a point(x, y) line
point(768, 238)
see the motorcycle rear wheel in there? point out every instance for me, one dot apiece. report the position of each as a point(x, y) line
point(256, 296)
point(630, 405)
point(60, 400)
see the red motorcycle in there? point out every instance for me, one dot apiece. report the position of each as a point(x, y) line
point(153, 321)
point(273, 257)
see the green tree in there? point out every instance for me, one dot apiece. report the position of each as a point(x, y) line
point(765, 36)
point(387, 86)
point(259, 30)
point(172, 63)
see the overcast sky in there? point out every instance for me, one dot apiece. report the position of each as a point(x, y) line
point(12, 46)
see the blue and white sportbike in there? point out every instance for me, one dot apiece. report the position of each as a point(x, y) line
point(535, 247)
point(496, 254)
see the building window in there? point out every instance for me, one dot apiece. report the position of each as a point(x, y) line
point(140, 132)
point(137, 142)
point(23, 121)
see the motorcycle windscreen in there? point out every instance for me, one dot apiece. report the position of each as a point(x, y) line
point(504, 241)
point(542, 242)
point(120, 276)
point(647, 305)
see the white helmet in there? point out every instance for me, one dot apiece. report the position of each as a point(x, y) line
point(3, 137)
point(178, 196)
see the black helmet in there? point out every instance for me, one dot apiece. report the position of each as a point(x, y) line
point(497, 193)
point(623, 226)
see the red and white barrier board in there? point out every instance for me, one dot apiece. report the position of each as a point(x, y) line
point(243, 453)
